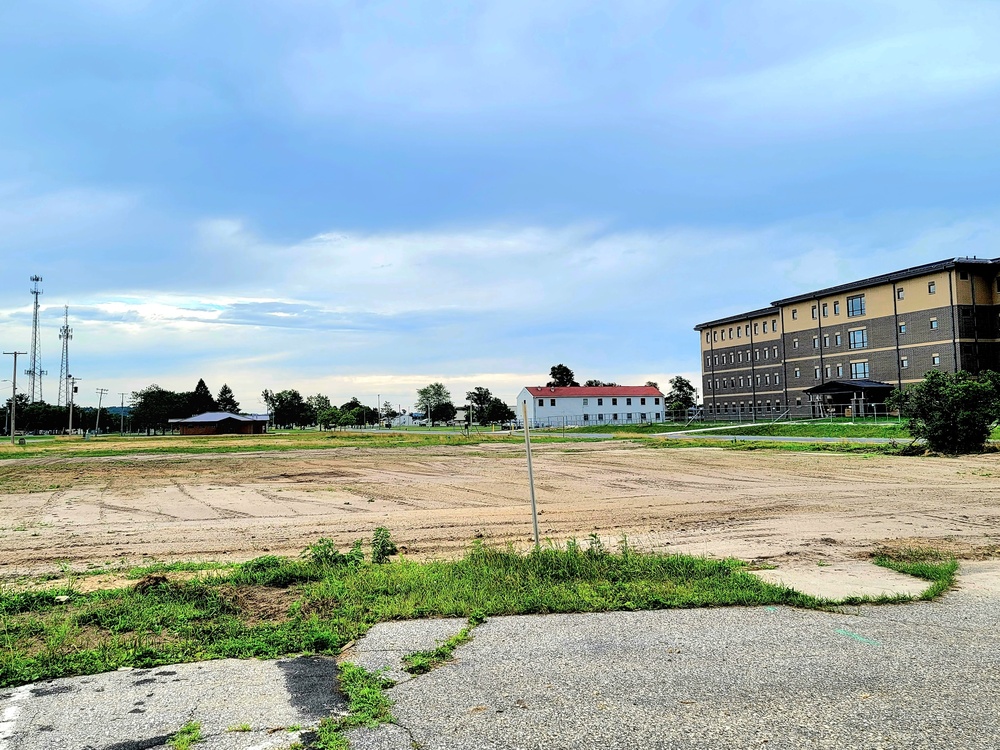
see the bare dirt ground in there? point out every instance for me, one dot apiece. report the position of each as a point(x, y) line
point(760, 506)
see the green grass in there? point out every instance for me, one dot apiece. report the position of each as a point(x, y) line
point(422, 662)
point(822, 428)
point(646, 428)
point(189, 734)
point(367, 702)
point(927, 564)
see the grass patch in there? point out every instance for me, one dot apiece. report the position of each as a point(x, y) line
point(422, 662)
point(369, 706)
point(188, 735)
point(928, 564)
point(824, 428)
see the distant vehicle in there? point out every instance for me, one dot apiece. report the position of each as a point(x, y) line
point(421, 423)
point(387, 424)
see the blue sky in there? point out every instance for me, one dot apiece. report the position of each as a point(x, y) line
point(360, 198)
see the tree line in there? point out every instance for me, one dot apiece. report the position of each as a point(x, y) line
point(48, 418)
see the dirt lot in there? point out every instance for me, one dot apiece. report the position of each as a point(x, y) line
point(754, 505)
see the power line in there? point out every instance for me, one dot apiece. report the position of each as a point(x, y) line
point(100, 398)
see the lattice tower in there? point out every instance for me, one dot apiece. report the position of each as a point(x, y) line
point(65, 335)
point(35, 371)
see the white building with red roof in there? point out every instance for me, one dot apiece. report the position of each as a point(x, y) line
point(582, 405)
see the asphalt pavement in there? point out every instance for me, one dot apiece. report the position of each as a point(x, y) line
point(905, 676)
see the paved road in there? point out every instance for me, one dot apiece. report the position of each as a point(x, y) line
point(914, 676)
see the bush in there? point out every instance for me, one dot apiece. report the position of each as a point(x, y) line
point(954, 413)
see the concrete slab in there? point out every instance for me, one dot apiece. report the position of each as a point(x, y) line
point(843, 579)
point(384, 646)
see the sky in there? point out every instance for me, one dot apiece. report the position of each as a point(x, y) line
point(360, 198)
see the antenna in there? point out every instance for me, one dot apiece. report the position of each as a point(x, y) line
point(65, 334)
point(35, 371)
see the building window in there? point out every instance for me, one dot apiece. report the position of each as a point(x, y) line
point(765, 352)
point(614, 402)
point(738, 329)
point(586, 417)
point(935, 359)
point(826, 310)
point(628, 416)
point(827, 370)
point(902, 327)
point(859, 370)
point(777, 379)
point(797, 373)
point(767, 380)
point(904, 362)
point(774, 326)
point(614, 417)
point(600, 417)
point(838, 339)
point(795, 343)
point(840, 371)
point(642, 402)
point(756, 329)
point(758, 380)
point(856, 306)
point(858, 339)
point(795, 314)
point(815, 342)
point(552, 402)
point(723, 334)
point(541, 402)
point(600, 401)
point(708, 337)
point(730, 333)
point(826, 340)
point(836, 307)
point(716, 360)
point(798, 402)
point(934, 324)
point(899, 292)
point(748, 329)
point(775, 351)
point(756, 354)
point(715, 335)
point(931, 287)
point(814, 312)
point(586, 401)
point(657, 416)
point(741, 356)
point(628, 402)
point(741, 381)
point(816, 373)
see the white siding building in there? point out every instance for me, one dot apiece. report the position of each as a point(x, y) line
point(580, 405)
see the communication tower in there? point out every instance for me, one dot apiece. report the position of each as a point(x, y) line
point(65, 334)
point(35, 371)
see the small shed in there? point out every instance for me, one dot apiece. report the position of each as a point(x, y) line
point(222, 423)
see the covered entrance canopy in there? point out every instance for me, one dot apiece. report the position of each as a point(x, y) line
point(858, 396)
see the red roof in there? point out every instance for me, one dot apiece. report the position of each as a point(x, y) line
point(601, 390)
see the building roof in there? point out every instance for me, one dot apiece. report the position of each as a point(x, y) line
point(210, 417)
point(906, 273)
point(849, 386)
point(580, 391)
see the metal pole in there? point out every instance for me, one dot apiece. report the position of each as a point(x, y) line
point(100, 398)
point(13, 396)
point(531, 473)
point(122, 428)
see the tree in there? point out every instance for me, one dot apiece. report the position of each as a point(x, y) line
point(288, 408)
point(682, 395)
point(498, 411)
point(226, 401)
point(328, 417)
point(388, 413)
point(480, 399)
point(594, 383)
point(200, 400)
point(561, 377)
point(953, 412)
point(153, 406)
point(318, 403)
point(435, 400)
point(652, 384)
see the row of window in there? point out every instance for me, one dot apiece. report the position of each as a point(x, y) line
point(627, 417)
point(732, 407)
point(600, 401)
point(736, 332)
point(764, 379)
point(735, 357)
point(859, 369)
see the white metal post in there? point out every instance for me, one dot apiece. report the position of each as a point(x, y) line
point(531, 474)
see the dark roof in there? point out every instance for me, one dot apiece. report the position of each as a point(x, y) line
point(906, 273)
point(580, 391)
point(211, 417)
point(762, 313)
point(850, 386)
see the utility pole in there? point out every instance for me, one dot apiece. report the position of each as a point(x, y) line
point(122, 429)
point(13, 396)
point(100, 398)
point(72, 390)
